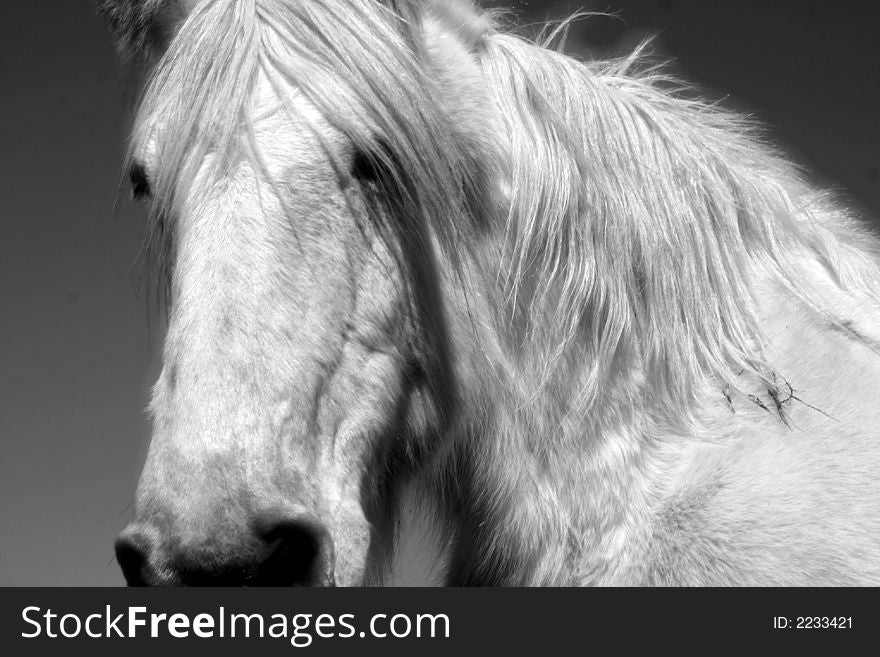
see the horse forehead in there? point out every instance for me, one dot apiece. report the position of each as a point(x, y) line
point(290, 133)
point(291, 120)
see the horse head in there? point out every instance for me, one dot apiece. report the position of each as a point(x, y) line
point(289, 152)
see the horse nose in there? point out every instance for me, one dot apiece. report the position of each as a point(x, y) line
point(282, 551)
point(296, 552)
point(133, 550)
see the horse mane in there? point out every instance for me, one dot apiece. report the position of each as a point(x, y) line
point(643, 225)
point(647, 216)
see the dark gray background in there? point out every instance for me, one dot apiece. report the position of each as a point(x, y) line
point(76, 359)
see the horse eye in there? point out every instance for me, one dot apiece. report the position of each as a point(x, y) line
point(140, 183)
point(363, 168)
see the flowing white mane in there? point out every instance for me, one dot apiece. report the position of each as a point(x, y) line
point(647, 217)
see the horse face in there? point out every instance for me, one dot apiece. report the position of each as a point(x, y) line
point(284, 378)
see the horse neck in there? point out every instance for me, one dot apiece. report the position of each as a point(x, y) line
point(545, 494)
point(528, 489)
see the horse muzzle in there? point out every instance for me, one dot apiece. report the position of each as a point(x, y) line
point(278, 550)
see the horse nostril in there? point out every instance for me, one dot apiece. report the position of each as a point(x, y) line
point(133, 555)
point(297, 552)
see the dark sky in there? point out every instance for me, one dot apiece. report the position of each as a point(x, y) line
point(76, 359)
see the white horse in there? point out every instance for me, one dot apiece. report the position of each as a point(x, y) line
point(432, 285)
